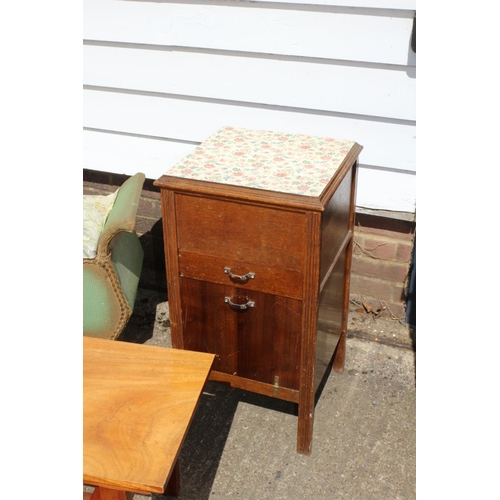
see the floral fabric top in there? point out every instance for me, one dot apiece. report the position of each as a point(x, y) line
point(275, 161)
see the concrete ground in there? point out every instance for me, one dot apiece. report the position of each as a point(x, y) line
point(242, 445)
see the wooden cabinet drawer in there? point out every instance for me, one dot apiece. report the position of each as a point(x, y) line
point(260, 343)
point(215, 235)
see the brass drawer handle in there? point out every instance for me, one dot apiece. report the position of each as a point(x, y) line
point(243, 278)
point(239, 307)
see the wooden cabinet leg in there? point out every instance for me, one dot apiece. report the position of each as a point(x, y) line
point(305, 428)
point(339, 355)
point(308, 340)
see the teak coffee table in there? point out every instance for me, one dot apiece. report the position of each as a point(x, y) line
point(258, 231)
point(138, 403)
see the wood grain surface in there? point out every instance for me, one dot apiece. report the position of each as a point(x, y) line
point(139, 401)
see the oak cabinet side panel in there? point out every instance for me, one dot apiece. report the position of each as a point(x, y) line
point(335, 224)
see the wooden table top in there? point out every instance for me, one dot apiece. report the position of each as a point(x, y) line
point(138, 403)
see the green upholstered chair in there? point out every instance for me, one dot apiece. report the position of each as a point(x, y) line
point(111, 278)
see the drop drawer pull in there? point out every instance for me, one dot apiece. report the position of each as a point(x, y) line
point(243, 278)
point(239, 307)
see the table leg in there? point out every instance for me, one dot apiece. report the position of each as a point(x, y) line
point(174, 483)
point(107, 494)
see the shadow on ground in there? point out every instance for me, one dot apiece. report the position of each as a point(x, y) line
point(141, 325)
point(202, 451)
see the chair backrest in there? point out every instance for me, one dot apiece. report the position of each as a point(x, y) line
point(124, 213)
point(111, 280)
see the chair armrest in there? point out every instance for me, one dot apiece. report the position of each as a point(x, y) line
point(123, 214)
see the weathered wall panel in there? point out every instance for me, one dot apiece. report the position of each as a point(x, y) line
point(293, 29)
point(194, 120)
point(160, 77)
point(320, 85)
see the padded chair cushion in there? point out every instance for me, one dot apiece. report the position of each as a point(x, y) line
point(95, 212)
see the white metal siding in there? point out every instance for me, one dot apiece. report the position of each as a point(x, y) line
point(160, 77)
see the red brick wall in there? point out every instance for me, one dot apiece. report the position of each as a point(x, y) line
point(381, 257)
point(381, 262)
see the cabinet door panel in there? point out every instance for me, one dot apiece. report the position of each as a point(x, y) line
point(259, 343)
point(205, 327)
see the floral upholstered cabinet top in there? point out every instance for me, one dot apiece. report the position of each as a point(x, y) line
point(287, 163)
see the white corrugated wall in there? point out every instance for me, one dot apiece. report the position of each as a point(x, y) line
point(161, 76)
